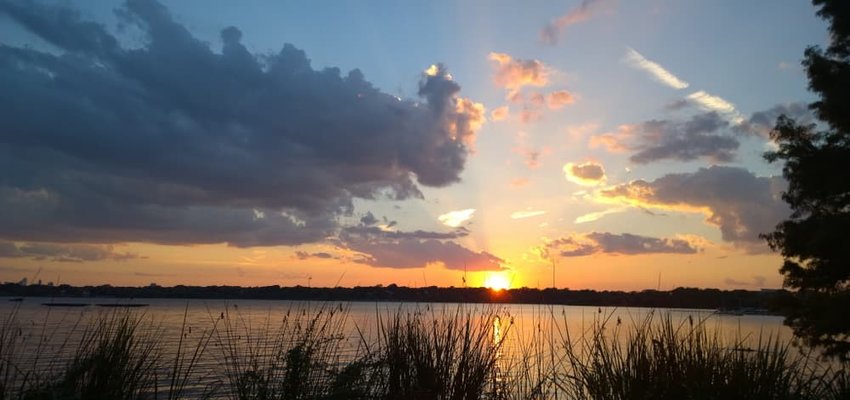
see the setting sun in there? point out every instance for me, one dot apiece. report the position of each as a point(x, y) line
point(497, 282)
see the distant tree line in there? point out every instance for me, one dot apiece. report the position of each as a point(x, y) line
point(677, 298)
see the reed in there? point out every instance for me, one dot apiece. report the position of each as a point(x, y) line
point(662, 360)
point(416, 353)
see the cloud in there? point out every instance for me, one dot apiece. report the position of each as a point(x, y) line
point(718, 104)
point(416, 250)
point(658, 72)
point(762, 122)
point(456, 218)
point(172, 142)
point(378, 232)
point(368, 219)
point(579, 245)
point(527, 116)
point(512, 74)
point(739, 203)
point(702, 136)
point(530, 156)
point(64, 252)
point(559, 98)
point(590, 217)
point(676, 105)
point(519, 182)
point(500, 113)
point(552, 31)
point(420, 253)
point(757, 281)
point(303, 255)
point(526, 214)
point(586, 174)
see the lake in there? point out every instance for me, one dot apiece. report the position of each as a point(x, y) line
point(48, 336)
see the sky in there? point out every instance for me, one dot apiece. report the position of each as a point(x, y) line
point(601, 144)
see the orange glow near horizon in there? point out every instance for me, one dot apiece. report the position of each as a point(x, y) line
point(497, 282)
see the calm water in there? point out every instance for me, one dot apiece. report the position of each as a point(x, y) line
point(48, 335)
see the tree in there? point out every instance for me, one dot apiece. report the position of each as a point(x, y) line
point(815, 240)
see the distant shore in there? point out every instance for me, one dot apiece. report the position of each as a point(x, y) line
point(677, 298)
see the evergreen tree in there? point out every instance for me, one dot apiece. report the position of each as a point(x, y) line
point(815, 240)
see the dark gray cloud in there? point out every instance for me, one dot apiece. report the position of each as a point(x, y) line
point(415, 253)
point(396, 249)
point(757, 281)
point(762, 122)
point(741, 204)
point(377, 232)
point(64, 252)
point(303, 255)
point(612, 243)
point(368, 219)
point(172, 142)
point(589, 171)
point(677, 104)
point(704, 135)
point(699, 137)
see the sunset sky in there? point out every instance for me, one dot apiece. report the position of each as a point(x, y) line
point(420, 143)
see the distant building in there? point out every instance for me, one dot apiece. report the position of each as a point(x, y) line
point(23, 282)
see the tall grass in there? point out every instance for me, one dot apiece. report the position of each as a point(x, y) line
point(439, 355)
point(415, 353)
point(662, 360)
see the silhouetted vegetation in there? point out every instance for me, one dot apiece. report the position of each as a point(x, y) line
point(677, 298)
point(424, 353)
point(814, 241)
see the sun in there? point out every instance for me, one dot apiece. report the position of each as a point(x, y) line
point(497, 282)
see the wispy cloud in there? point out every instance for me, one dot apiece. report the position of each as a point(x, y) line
point(550, 33)
point(590, 217)
point(658, 72)
point(455, 218)
point(526, 214)
point(716, 103)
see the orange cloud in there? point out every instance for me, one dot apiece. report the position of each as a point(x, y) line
point(513, 74)
point(529, 116)
point(519, 182)
point(500, 113)
point(468, 118)
point(615, 142)
point(559, 98)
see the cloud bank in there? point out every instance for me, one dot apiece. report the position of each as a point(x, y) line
point(392, 249)
point(739, 203)
point(64, 252)
point(579, 245)
point(173, 142)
